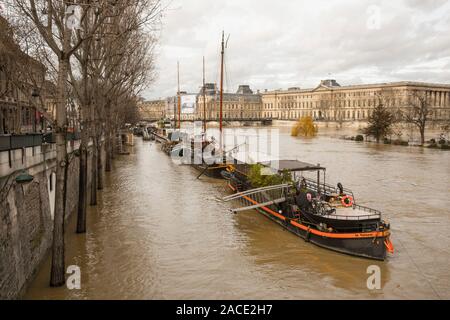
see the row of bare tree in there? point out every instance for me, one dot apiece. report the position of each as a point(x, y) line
point(101, 55)
point(417, 111)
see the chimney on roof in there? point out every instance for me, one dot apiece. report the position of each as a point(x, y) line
point(244, 89)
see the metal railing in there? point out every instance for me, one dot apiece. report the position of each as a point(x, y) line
point(19, 141)
point(355, 218)
point(375, 212)
point(327, 188)
point(12, 142)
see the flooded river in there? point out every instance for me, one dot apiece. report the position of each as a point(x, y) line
point(160, 233)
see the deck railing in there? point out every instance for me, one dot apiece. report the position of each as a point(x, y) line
point(325, 187)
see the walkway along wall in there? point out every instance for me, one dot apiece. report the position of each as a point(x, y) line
point(27, 210)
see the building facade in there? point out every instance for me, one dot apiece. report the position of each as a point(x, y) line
point(152, 110)
point(327, 102)
point(331, 102)
point(242, 105)
point(24, 94)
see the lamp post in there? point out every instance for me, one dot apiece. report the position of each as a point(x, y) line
point(24, 177)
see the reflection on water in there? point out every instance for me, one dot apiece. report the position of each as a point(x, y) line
point(158, 232)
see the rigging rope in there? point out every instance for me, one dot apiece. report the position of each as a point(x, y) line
point(420, 271)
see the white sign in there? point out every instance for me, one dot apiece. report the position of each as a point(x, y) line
point(188, 104)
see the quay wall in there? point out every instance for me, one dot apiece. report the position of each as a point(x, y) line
point(27, 211)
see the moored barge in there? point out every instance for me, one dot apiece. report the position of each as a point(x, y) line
point(321, 214)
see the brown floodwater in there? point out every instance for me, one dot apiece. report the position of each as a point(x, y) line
point(160, 233)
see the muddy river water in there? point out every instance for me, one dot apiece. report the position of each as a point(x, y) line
point(160, 233)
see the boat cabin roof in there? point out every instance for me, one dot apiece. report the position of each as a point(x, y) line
point(291, 165)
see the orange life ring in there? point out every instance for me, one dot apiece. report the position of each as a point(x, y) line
point(347, 201)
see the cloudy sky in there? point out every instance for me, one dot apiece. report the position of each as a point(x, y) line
point(286, 43)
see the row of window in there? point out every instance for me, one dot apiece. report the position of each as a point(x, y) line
point(346, 103)
point(340, 115)
point(10, 119)
point(336, 115)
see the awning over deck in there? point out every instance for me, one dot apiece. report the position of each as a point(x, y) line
point(291, 165)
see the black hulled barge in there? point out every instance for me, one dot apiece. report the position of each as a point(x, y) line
point(319, 213)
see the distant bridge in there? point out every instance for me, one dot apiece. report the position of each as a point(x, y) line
point(264, 120)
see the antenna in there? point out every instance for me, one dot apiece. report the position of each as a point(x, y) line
point(179, 97)
point(221, 91)
point(204, 98)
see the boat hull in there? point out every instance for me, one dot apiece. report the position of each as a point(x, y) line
point(371, 248)
point(369, 245)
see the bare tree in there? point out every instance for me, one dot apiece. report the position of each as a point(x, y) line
point(102, 81)
point(418, 111)
point(56, 23)
point(98, 75)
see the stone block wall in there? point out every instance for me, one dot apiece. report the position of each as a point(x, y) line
point(26, 222)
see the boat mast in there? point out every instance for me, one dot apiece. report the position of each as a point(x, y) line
point(204, 99)
point(221, 86)
point(178, 96)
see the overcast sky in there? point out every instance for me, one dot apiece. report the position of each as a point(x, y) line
point(296, 43)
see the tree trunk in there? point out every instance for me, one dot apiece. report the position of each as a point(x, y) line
point(99, 164)
point(113, 144)
point(94, 172)
point(108, 160)
point(84, 147)
point(83, 184)
point(120, 144)
point(57, 277)
point(422, 135)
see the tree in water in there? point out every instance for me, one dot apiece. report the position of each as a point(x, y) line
point(418, 112)
point(305, 127)
point(379, 123)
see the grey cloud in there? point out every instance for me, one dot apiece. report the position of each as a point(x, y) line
point(297, 43)
point(425, 4)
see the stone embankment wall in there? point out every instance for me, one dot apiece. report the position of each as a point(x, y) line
point(26, 213)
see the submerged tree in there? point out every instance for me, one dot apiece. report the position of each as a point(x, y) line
point(380, 122)
point(102, 35)
point(305, 127)
point(51, 20)
point(418, 112)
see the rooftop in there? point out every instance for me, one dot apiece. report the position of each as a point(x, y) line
point(333, 85)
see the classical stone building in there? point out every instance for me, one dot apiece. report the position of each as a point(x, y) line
point(242, 105)
point(331, 102)
point(152, 110)
point(328, 102)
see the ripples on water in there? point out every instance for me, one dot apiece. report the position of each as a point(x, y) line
point(158, 232)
